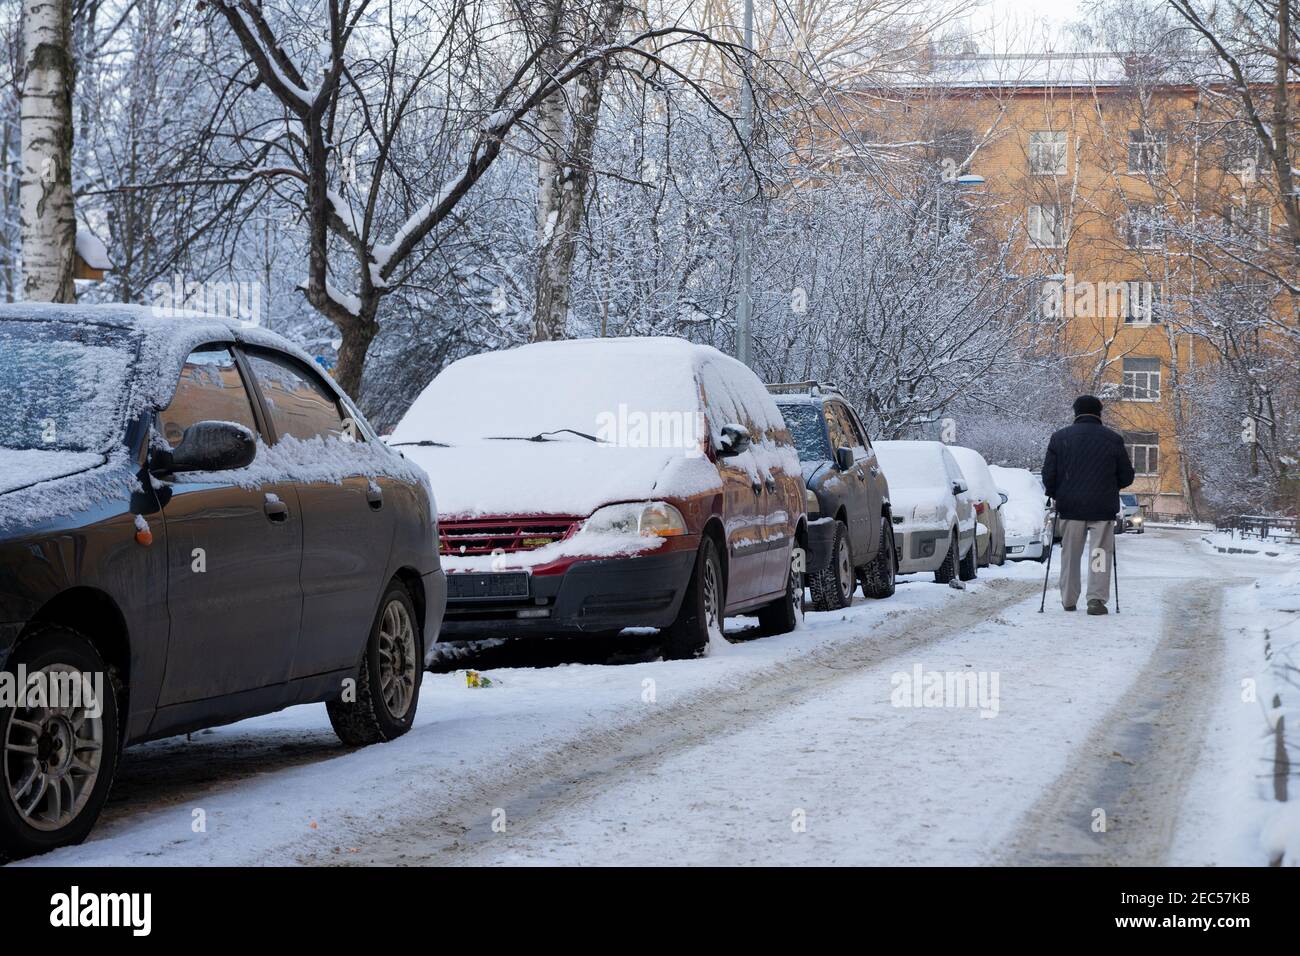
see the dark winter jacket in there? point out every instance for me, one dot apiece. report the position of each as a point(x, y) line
point(1086, 466)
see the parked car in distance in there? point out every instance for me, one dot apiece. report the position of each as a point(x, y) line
point(988, 501)
point(589, 486)
point(196, 526)
point(933, 511)
point(1131, 517)
point(850, 534)
point(1024, 516)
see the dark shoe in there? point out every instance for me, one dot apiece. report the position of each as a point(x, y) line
point(1071, 608)
point(1097, 607)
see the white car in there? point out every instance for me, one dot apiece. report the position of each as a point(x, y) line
point(988, 499)
point(934, 513)
point(1025, 514)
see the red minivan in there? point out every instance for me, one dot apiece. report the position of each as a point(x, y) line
point(595, 485)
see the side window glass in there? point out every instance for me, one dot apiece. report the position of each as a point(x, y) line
point(298, 404)
point(210, 389)
point(840, 437)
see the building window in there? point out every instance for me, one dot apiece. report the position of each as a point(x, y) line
point(1250, 223)
point(1146, 151)
point(1143, 451)
point(1141, 380)
point(1143, 228)
point(1243, 153)
point(1047, 153)
point(1140, 302)
point(1045, 227)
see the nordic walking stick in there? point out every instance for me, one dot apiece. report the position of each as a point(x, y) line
point(1051, 543)
point(1114, 563)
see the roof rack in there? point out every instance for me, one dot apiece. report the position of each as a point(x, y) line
point(803, 388)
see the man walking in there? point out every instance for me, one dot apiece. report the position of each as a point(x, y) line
point(1086, 466)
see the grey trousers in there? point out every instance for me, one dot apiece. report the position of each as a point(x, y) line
point(1100, 536)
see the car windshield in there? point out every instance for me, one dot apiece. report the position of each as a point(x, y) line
point(1130, 500)
point(64, 384)
point(807, 428)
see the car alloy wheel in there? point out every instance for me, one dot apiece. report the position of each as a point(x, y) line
point(53, 755)
point(712, 599)
point(397, 659)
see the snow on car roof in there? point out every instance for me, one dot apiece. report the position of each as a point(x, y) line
point(912, 464)
point(547, 387)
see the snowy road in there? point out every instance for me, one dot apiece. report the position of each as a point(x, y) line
point(790, 750)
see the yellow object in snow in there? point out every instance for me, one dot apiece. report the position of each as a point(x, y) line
point(475, 679)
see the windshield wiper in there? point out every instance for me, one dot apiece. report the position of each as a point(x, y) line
point(424, 443)
point(543, 436)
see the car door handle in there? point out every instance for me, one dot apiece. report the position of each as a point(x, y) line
point(771, 485)
point(376, 498)
point(276, 510)
point(756, 487)
point(875, 472)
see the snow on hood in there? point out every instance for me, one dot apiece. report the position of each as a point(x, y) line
point(1025, 513)
point(67, 483)
point(555, 477)
point(22, 467)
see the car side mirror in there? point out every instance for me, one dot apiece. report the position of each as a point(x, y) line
point(959, 487)
point(735, 440)
point(208, 446)
point(844, 458)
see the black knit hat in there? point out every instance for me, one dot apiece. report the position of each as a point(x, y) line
point(1087, 405)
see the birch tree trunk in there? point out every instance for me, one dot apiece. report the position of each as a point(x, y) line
point(47, 221)
point(564, 173)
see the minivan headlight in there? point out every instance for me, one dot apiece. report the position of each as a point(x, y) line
point(927, 512)
point(650, 518)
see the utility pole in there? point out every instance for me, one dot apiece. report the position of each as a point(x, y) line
point(745, 301)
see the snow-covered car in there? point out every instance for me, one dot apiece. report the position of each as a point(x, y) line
point(850, 533)
point(988, 501)
point(1025, 515)
point(934, 514)
point(196, 526)
point(1130, 515)
point(603, 484)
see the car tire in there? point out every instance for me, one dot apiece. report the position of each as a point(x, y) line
point(968, 567)
point(702, 607)
point(786, 613)
point(33, 758)
point(383, 703)
point(832, 586)
point(878, 577)
point(948, 570)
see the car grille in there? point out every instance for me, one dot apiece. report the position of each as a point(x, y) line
point(488, 536)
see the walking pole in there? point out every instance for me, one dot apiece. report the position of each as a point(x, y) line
point(1114, 563)
point(1051, 542)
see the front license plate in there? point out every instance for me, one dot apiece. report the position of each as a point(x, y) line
point(470, 586)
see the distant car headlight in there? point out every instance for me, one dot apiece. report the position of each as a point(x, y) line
point(811, 503)
point(1137, 519)
point(649, 518)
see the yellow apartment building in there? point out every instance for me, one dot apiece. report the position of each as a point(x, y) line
point(1093, 173)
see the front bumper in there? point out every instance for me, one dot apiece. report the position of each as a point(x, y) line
point(920, 549)
point(591, 596)
point(1024, 549)
point(821, 538)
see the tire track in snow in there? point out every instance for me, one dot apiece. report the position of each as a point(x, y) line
point(596, 763)
point(1136, 766)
